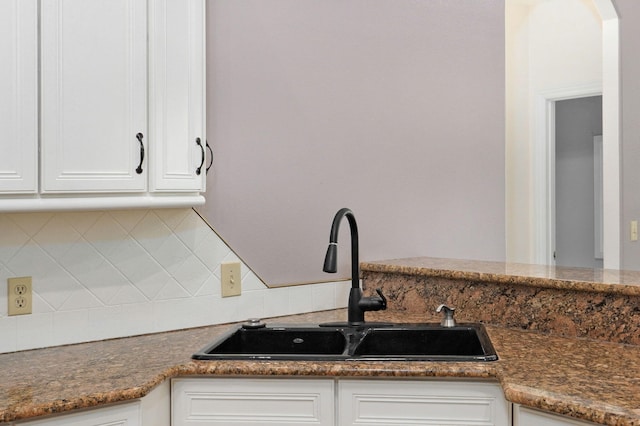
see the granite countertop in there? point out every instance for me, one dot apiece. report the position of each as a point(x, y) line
point(590, 380)
point(563, 278)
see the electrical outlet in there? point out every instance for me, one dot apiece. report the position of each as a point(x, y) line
point(231, 279)
point(19, 296)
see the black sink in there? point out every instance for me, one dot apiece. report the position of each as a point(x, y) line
point(463, 342)
point(278, 342)
point(408, 342)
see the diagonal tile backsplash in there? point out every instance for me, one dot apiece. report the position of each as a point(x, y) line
point(108, 274)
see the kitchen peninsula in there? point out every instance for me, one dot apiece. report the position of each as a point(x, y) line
point(565, 338)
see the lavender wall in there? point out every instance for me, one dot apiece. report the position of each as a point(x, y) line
point(392, 108)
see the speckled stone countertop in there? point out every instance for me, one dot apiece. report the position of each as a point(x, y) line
point(589, 380)
point(569, 302)
point(580, 279)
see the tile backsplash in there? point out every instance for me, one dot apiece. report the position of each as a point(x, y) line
point(108, 274)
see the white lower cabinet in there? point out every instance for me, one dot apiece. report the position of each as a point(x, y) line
point(152, 410)
point(119, 415)
point(523, 416)
point(156, 406)
point(421, 402)
point(240, 402)
point(206, 401)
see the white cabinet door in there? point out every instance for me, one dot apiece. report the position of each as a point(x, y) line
point(120, 415)
point(421, 402)
point(523, 416)
point(18, 96)
point(93, 95)
point(252, 402)
point(155, 407)
point(177, 95)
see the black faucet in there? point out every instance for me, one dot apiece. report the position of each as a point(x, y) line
point(358, 305)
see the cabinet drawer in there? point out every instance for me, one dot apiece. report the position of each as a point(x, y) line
point(252, 402)
point(120, 415)
point(390, 402)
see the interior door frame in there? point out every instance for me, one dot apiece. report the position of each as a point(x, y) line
point(545, 165)
point(544, 149)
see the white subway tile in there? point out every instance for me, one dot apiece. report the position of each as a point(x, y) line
point(34, 331)
point(99, 275)
point(138, 318)
point(251, 304)
point(211, 251)
point(80, 298)
point(71, 327)
point(30, 223)
point(171, 253)
point(38, 304)
point(342, 289)
point(57, 237)
point(173, 217)
point(178, 313)
point(226, 309)
point(106, 322)
point(172, 290)
point(300, 299)
point(150, 232)
point(127, 295)
point(192, 231)
point(7, 334)
point(151, 284)
point(82, 221)
point(128, 219)
point(50, 280)
point(276, 302)
point(192, 274)
point(13, 238)
point(251, 282)
point(4, 275)
point(211, 287)
point(106, 235)
point(323, 296)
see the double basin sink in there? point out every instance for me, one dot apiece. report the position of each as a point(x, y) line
point(368, 342)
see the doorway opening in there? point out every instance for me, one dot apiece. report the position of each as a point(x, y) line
point(545, 170)
point(577, 182)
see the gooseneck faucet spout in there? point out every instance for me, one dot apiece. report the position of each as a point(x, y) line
point(358, 305)
point(331, 258)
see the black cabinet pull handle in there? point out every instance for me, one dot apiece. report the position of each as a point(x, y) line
point(139, 136)
point(199, 169)
point(210, 156)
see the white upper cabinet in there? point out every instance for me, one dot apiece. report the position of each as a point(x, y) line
point(115, 118)
point(93, 94)
point(18, 96)
point(177, 95)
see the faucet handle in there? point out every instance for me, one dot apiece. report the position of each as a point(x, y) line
point(382, 298)
point(373, 303)
point(447, 320)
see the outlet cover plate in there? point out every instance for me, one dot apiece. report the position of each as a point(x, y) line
point(19, 296)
